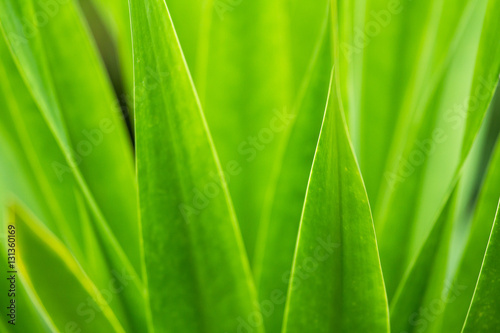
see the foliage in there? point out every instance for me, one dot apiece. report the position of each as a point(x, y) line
point(250, 166)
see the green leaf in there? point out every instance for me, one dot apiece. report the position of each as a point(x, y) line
point(245, 81)
point(425, 159)
point(396, 42)
point(486, 75)
point(470, 263)
point(117, 19)
point(198, 276)
point(349, 21)
point(31, 310)
point(336, 281)
point(22, 117)
point(424, 283)
point(17, 175)
point(44, 262)
point(83, 150)
point(485, 306)
point(192, 20)
point(281, 215)
point(69, 86)
point(44, 191)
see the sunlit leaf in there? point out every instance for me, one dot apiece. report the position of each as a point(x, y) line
point(198, 276)
point(84, 304)
point(470, 264)
point(336, 281)
point(428, 161)
point(483, 311)
point(424, 283)
point(281, 216)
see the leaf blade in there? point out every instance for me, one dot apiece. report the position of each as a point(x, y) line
point(352, 260)
point(483, 311)
point(197, 272)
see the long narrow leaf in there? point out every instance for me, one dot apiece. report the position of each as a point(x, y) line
point(281, 215)
point(336, 281)
point(424, 282)
point(198, 276)
point(77, 104)
point(470, 264)
point(484, 309)
point(84, 305)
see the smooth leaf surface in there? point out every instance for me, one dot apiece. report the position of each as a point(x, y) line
point(37, 323)
point(44, 262)
point(336, 281)
point(46, 191)
point(167, 246)
point(470, 263)
point(393, 44)
point(428, 161)
point(90, 154)
point(77, 104)
point(486, 74)
point(115, 14)
point(21, 117)
point(193, 22)
point(281, 216)
point(483, 311)
point(424, 283)
point(245, 81)
point(198, 276)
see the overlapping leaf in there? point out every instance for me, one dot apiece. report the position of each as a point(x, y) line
point(78, 107)
point(470, 264)
point(430, 160)
point(281, 216)
point(423, 287)
point(245, 80)
point(198, 276)
point(67, 141)
point(336, 281)
point(483, 311)
point(43, 262)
